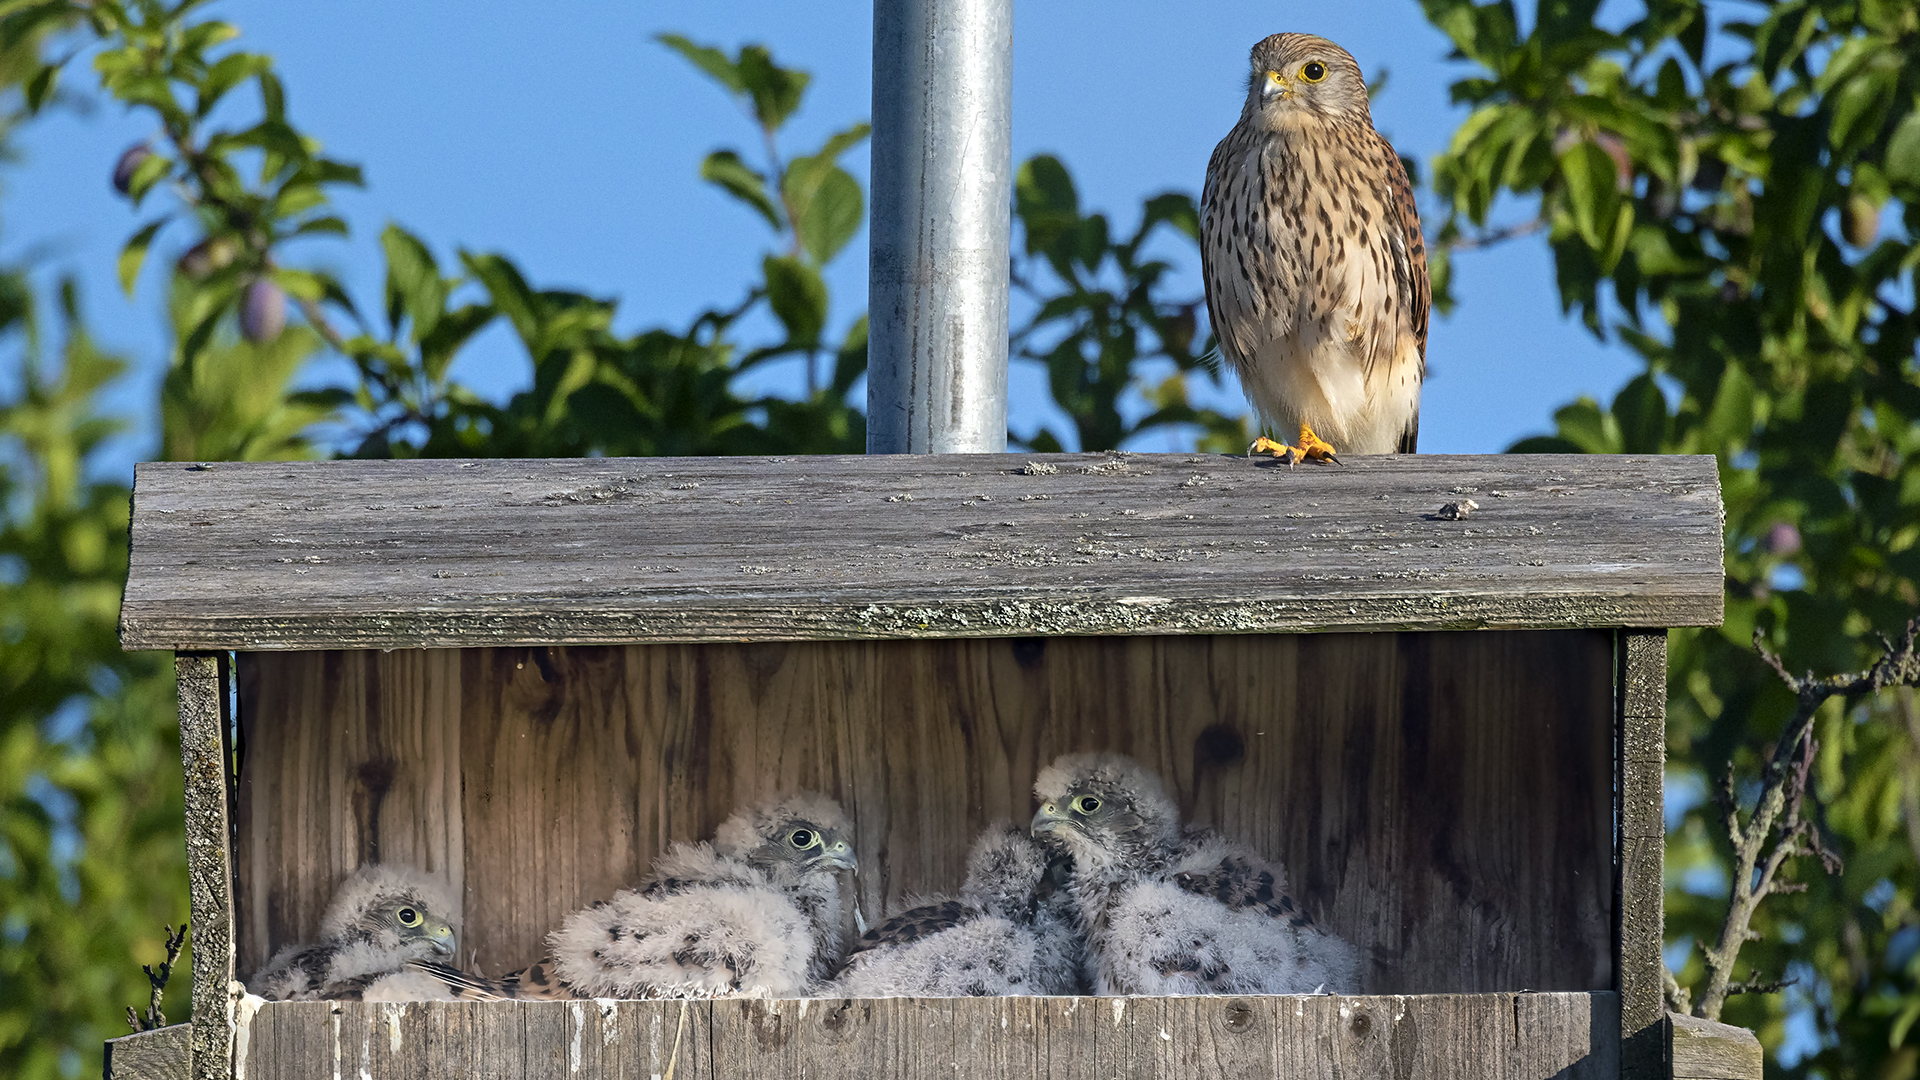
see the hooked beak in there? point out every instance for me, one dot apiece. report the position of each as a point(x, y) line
point(1274, 86)
point(837, 856)
point(442, 939)
point(1049, 819)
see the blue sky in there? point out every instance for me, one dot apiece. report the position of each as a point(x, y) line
point(563, 135)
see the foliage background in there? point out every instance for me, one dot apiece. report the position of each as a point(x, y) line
point(1723, 189)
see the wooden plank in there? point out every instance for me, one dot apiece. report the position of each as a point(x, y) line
point(206, 749)
point(1440, 799)
point(1564, 1055)
point(1485, 1037)
point(1705, 1050)
point(1640, 863)
point(385, 735)
point(456, 1040)
point(363, 554)
point(161, 1054)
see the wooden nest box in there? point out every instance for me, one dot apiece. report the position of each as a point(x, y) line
point(527, 677)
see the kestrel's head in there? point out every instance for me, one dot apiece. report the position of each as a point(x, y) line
point(804, 832)
point(394, 908)
point(1106, 809)
point(1297, 78)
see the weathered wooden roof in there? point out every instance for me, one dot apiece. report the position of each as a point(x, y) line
point(378, 554)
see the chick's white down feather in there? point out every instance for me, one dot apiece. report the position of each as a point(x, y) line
point(379, 918)
point(1011, 931)
point(1173, 912)
point(754, 913)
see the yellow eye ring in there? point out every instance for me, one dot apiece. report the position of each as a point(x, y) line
point(803, 839)
point(409, 918)
point(1313, 71)
point(1086, 804)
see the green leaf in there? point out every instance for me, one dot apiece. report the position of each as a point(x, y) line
point(230, 72)
point(776, 91)
point(843, 141)
point(508, 290)
point(798, 297)
point(1176, 209)
point(1044, 186)
point(449, 334)
point(737, 178)
point(1903, 152)
point(41, 86)
point(707, 59)
point(414, 284)
point(1592, 192)
point(134, 254)
point(300, 284)
point(150, 172)
point(1640, 410)
point(832, 215)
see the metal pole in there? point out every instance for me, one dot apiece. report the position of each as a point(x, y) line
point(942, 198)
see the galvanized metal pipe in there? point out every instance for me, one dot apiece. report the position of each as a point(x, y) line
point(942, 197)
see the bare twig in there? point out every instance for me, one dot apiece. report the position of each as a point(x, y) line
point(1775, 829)
point(1493, 236)
point(157, 982)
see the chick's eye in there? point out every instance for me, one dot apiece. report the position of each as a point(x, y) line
point(1313, 71)
point(409, 917)
point(803, 838)
point(1086, 804)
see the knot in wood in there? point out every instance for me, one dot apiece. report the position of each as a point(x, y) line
point(1238, 1016)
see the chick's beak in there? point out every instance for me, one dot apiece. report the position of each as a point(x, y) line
point(1049, 818)
point(441, 935)
point(839, 856)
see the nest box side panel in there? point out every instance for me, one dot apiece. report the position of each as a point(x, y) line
point(347, 758)
point(205, 754)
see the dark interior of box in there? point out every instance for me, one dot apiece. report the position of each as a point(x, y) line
point(1441, 799)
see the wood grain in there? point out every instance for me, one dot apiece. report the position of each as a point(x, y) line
point(206, 749)
point(161, 1054)
point(364, 554)
point(1704, 1050)
point(375, 778)
point(1484, 1037)
point(1444, 800)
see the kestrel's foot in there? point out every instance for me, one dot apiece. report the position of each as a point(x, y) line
point(1314, 448)
point(1264, 445)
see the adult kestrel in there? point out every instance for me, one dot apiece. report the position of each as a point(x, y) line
point(1316, 272)
point(755, 913)
point(1169, 911)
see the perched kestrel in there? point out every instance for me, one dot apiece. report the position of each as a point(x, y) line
point(755, 913)
point(1012, 931)
point(379, 918)
point(1315, 268)
point(1170, 911)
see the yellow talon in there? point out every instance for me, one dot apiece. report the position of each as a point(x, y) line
point(1314, 448)
point(1264, 445)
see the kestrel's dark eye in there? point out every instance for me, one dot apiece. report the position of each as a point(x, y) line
point(803, 839)
point(409, 917)
point(1086, 804)
point(1313, 71)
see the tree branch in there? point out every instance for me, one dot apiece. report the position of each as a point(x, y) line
point(1492, 236)
point(1775, 829)
point(157, 983)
